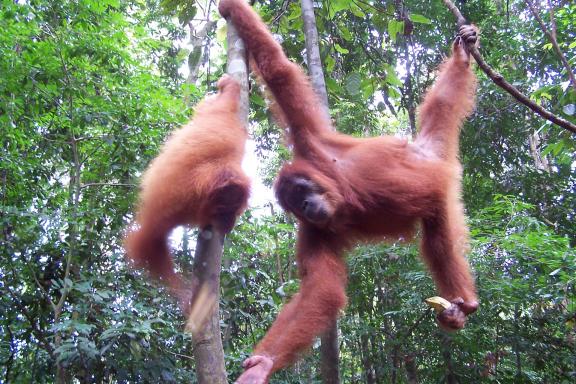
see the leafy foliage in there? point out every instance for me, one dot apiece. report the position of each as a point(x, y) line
point(88, 91)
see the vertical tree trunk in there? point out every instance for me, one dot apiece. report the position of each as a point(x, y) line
point(407, 42)
point(237, 68)
point(329, 350)
point(329, 355)
point(73, 201)
point(541, 162)
point(207, 341)
point(208, 350)
point(195, 58)
point(447, 355)
point(516, 346)
point(313, 52)
point(197, 41)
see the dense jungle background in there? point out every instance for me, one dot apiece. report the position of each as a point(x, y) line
point(89, 89)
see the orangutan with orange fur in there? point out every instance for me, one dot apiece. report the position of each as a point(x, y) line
point(344, 190)
point(196, 180)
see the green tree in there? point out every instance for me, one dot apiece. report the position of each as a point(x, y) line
point(88, 91)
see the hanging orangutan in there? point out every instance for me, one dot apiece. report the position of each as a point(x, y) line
point(196, 180)
point(344, 190)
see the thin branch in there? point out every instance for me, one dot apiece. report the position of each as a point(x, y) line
point(499, 80)
point(107, 185)
point(551, 34)
point(200, 6)
point(179, 354)
point(283, 10)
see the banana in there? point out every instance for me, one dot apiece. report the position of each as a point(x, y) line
point(438, 303)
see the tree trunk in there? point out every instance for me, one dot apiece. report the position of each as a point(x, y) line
point(329, 355)
point(237, 68)
point(516, 346)
point(313, 52)
point(329, 350)
point(195, 58)
point(73, 201)
point(207, 341)
point(447, 355)
point(541, 162)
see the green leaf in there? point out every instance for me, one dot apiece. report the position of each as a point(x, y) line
point(391, 77)
point(368, 88)
point(187, 13)
point(395, 27)
point(420, 19)
point(352, 84)
point(333, 87)
point(379, 21)
point(345, 33)
point(340, 49)
point(336, 6)
point(257, 99)
point(329, 62)
point(356, 11)
point(295, 12)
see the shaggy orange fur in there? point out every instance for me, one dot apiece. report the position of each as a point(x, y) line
point(344, 190)
point(196, 180)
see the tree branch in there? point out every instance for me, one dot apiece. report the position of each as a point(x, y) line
point(86, 185)
point(552, 37)
point(499, 80)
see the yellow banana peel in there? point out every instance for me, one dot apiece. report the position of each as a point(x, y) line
point(438, 303)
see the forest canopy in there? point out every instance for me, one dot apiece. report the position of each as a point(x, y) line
point(89, 90)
